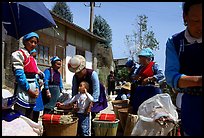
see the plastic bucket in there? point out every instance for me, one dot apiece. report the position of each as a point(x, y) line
point(105, 128)
point(123, 114)
point(61, 129)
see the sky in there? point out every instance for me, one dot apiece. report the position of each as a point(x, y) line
point(164, 18)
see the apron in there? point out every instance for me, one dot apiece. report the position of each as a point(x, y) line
point(24, 100)
point(55, 93)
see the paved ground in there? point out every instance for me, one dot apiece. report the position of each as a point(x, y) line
point(109, 109)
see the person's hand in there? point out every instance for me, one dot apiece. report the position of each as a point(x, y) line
point(48, 94)
point(75, 107)
point(33, 94)
point(58, 104)
point(41, 75)
point(147, 80)
point(41, 83)
point(137, 77)
point(88, 109)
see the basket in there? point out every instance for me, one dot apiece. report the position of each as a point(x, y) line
point(130, 123)
point(119, 104)
point(62, 111)
point(123, 114)
point(61, 129)
point(105, 128)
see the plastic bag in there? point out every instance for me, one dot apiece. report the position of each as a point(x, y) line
point(157, 116)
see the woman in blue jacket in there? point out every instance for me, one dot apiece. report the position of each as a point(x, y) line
point(146, 77)
point(52, 84)
point(25, 70)
point(183, 69)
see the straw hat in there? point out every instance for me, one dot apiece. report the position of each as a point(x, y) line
point(76, 63)
point(127, 86)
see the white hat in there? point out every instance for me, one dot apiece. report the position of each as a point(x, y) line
point(76, 63)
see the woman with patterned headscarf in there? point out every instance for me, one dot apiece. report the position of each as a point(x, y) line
point(52, 84)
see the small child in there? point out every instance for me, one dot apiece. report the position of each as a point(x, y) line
point(84, 100)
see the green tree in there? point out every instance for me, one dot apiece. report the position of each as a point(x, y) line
point(101, 28)
point(122, 74)
point(141, 38)
point(63, 10)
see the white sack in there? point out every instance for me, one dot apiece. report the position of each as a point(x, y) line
point(157, 107)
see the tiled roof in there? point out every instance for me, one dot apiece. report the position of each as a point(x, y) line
point(76, 27)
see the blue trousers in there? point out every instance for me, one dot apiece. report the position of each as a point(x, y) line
point(83, 124)
point(192, 115)
point(142, 93)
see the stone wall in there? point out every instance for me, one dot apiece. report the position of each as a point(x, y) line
point(11, 45)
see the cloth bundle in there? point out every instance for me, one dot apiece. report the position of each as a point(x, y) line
point(107, 117)
point(57, 119)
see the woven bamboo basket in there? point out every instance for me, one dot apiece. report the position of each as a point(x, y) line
point(105, 128)
point(123, 114)
point(61, 129)
point(130, 123)
point(119, 104)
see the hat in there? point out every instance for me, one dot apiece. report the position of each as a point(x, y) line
point(127, 86)
point(129, 63)
point(76, 63)
point(33, 51)
point(147, 52)
point(55, 58)
point(29, 35)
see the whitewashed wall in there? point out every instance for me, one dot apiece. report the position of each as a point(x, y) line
point(71, 51)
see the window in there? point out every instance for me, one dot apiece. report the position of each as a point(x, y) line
point(43, 54)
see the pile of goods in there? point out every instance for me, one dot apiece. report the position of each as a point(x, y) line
point(57, 119)
point(60, 125)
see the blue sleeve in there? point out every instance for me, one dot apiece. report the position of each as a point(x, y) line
point(61, 84)
point(158, 74)
point(96, 86)
point(74, 86)
point(21, 79)
point(172, 65)
point(46, 78)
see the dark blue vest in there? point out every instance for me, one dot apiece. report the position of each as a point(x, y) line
point(87, 79)
point(190, 55)
point(102, 101)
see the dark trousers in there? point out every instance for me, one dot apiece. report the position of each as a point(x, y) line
point(36, 116)
point(93, 115)
point(28, 112)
